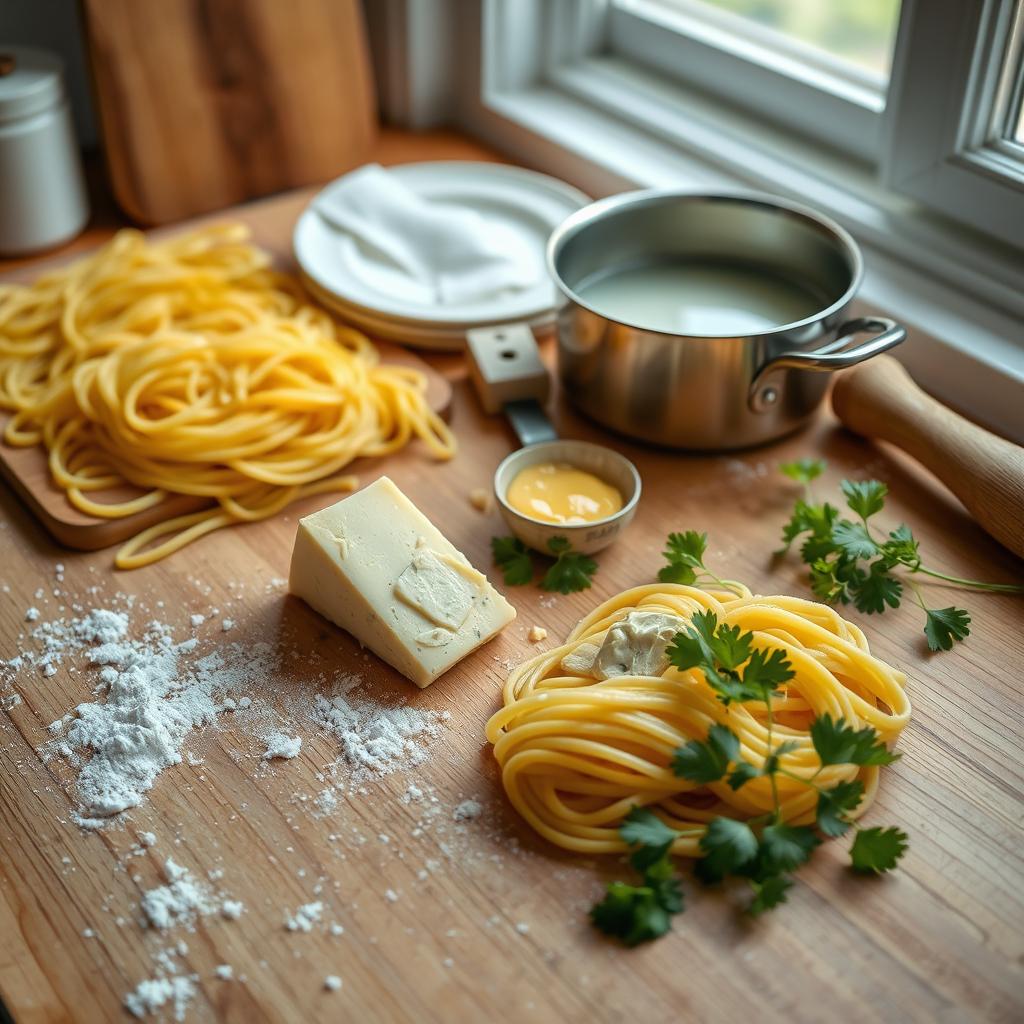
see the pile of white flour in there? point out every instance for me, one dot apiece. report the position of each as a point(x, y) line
point(155, 691)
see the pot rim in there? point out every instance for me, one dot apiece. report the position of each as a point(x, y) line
point(578, 221)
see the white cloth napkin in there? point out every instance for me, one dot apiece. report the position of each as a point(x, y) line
point(427, 251)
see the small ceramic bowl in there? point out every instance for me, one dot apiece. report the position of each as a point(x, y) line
point(609, 465)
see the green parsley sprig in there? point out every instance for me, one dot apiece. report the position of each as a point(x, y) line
point(684, 555)
point(571, 571)
point(639, 913)
point(763, 851)
point(852, 561)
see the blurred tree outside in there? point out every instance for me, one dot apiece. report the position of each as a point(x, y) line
point(859, 31)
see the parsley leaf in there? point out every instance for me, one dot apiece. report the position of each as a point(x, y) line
point(742, 774)
point(817, 546)
point(785, 847)
point(731, 689)
point(901, 548)
point(853, 539)
point(651, 840)
point(838, 743)
point(835, 581)
point(684, 556)
point(511, 556)
point(804, 470)
point(864, 497)
point(686, 651)
point(730, 646)
point(878, 849)
point(690, 649)
point(943, 626)
point(708, 761)
point(814, 519)
point(728, 845)
point(666, 886)
point(837, 552)
point(639, 913)
point(642, 827)
point(572, 569)
point(687, 548)
point(835, 803)
point(771, 762)
point(769, 893)
point(766, 670)
point(876, 590)
point(718, 651)
point(676, 572)
point(631, 913)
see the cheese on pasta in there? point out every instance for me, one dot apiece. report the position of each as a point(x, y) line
point(190, 367)
point(580, 742)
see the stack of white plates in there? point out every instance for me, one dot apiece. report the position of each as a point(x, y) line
point(530, 204)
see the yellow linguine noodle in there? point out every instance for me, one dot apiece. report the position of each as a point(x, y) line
point(576, 753)
point(190, 367)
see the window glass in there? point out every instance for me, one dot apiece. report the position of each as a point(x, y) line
point(859, 32)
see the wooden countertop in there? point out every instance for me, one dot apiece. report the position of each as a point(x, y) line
point(495, 927)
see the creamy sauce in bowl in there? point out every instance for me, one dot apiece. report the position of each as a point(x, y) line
point(557, 492)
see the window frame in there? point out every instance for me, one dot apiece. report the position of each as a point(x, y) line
point(539, 87)
point(944, 146)
point(762, 71)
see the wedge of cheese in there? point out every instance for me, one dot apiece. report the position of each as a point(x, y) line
point(376, 566)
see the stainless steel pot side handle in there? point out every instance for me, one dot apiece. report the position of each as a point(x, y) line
point(836, 355)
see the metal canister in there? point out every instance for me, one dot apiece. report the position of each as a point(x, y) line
point(42, 193)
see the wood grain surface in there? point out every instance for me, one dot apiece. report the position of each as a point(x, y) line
point(205, 103)
point(489, 922)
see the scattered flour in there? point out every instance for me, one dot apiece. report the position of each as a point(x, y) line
point(232, 909)
point(153, 994)
point(376, 738)
point(305, 917)
point(224, 971)
point(181, 901)
point(326, 802)
point(468, 810)
point(281, 745)
point(153, 692)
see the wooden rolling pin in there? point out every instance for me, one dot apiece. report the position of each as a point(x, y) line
point(878, 399)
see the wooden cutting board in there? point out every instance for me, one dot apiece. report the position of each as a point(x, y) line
point(27, 471)
point(206, 103)
point(484, 921)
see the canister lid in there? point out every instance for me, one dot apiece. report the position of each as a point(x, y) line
point(30, 81)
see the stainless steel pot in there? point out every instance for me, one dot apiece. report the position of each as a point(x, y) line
point(708, 391)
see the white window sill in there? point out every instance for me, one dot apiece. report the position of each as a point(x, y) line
point(966, 344)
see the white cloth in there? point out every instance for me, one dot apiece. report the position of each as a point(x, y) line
point(430, 252)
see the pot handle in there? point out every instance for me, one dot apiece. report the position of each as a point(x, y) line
point(836, 355)
point(509, 376)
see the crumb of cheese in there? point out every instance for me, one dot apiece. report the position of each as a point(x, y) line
point(536, 634)
point(481, 499)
